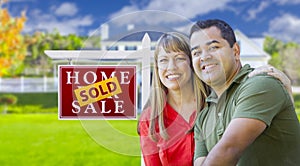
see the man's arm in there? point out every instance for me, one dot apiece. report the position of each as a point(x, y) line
point(240, 133)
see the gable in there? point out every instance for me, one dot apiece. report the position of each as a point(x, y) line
point(249, 48)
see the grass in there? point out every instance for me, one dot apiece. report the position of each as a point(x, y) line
point(41, 139)
point(297, 104)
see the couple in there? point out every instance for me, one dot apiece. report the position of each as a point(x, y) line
point(243, 120)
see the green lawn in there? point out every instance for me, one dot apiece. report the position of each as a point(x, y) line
point(41, 139)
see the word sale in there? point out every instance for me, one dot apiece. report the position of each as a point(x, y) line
point(98, 107)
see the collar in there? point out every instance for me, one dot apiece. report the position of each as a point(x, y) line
point(239, 78)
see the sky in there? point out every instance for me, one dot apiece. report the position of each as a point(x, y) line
point(255, 18)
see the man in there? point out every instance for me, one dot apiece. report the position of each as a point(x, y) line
point(247, 121)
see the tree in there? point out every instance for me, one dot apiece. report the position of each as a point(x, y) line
point(273, 46)
point(40, 41)
point(285, 57)
point(290, 62)
point(12, 45)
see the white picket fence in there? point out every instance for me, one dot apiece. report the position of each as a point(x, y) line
point(28, 84)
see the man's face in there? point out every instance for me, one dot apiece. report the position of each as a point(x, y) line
point(214, 61)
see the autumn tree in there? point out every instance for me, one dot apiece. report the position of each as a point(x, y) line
point(12, 45)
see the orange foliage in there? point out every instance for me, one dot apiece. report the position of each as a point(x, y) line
point(12, 44)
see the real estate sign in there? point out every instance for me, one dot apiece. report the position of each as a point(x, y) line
point(97, 92)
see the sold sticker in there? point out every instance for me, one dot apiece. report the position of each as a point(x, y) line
point(98, 91)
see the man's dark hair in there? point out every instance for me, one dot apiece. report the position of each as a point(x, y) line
point(226, 31)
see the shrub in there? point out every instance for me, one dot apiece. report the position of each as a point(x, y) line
point(8, 99)
point(29, 109)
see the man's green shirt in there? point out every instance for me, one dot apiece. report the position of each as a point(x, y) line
point(261, 97)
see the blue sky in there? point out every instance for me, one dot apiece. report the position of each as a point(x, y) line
point(255, 18)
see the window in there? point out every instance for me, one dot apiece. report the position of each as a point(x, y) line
point(112, 48)
point(130, 47)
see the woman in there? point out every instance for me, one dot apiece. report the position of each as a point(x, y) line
point(177, 95)
point(165, 125)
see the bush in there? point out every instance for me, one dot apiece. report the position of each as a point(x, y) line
point(28, 109)
point(8, 99)
point(32, 103)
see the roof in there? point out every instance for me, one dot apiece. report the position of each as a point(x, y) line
point(249, 47)
point(136, 36)
point(138, 33)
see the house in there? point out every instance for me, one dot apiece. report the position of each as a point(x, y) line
point(131, 38)
point(251, 48)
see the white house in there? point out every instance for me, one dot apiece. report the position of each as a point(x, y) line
point(131, 38)
point(251, 48)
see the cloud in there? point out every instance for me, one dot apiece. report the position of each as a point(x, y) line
point(287, 2)
point(285, 27)
point(189, 9)
point(254, 11)
point(66, 9)
point(183, 8)
point(66, 23)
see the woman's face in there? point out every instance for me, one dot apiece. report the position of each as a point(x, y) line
point(174, 69)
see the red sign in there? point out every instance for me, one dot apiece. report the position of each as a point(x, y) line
point(97, 92)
